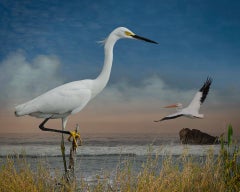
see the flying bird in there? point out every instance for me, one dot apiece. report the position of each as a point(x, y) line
point(71, 98)
point(192, 110)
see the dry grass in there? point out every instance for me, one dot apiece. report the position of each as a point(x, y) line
point(189, 176)
point(16, 175)
point(185, 174)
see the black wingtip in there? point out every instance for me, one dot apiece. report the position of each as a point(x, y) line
point(168, 118)
point(207, 84)
point(205, 88)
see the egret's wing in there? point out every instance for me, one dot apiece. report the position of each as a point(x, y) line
point(68, 98)
point(200, 96)
point(172, 116)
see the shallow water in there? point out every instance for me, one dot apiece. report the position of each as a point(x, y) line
point(99, 154)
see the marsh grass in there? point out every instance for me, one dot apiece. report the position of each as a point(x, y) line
point(212, 173)
point(16, 175)
point(185, 174)
point(22, 178)
point(181, 175)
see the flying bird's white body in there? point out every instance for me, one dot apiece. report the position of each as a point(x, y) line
point(192, 110)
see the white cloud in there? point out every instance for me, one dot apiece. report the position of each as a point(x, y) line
point(151, 95)
point(22, 80)
point(154, 93)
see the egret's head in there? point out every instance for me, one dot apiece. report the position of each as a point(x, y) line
point(123, 32)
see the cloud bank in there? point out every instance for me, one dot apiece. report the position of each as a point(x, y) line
point(22, 79)
point(151, 95)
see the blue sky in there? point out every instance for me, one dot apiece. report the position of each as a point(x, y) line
point(46, 43)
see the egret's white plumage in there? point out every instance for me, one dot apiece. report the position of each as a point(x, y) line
point(192, 110)
point(59, 102)
point(72, 97)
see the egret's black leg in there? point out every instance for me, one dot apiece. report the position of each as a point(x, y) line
point(41, 126)
point(63, 153)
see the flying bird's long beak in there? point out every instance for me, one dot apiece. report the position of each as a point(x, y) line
point(144, 39)
point(171, 106)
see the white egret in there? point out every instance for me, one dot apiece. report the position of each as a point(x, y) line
point(72, 97)
point(192, 110)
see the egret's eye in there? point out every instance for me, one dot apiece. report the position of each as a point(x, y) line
point(128, 33)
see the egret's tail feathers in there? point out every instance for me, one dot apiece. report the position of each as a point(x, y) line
point(21, 110)
point(17, 114)
point(18, 111)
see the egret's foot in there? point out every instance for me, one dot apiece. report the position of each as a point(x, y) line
point(77, 141)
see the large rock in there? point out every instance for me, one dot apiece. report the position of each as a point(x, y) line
point(194, 136)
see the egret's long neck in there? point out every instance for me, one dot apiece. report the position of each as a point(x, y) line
point(101, 81)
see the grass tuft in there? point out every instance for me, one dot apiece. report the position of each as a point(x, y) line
point(16, 175)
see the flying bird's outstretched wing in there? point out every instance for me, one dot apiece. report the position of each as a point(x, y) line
point(200, 96)
point(172, 116)
point(205, 89)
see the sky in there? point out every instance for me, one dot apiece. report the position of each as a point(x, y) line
point(46, 43)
